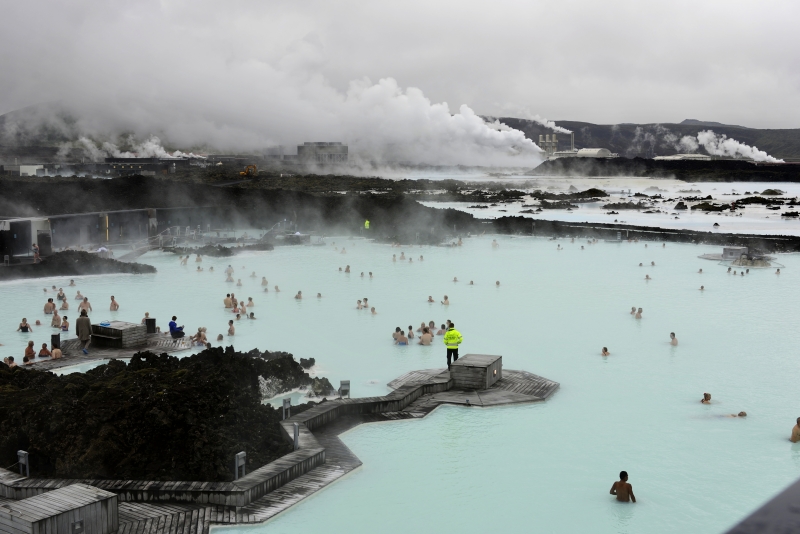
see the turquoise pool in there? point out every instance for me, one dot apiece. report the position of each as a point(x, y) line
point(545, 467)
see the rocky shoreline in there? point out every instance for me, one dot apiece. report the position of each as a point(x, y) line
point(156, 418)
point(72, 263)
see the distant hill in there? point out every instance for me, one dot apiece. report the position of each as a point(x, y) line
point(708, 124)
point(648, 140)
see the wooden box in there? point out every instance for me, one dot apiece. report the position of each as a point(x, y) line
point(476, 371)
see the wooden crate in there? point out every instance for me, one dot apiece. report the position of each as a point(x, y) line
point(476, 371)
point(78, 508)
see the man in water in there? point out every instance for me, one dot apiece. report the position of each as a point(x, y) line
point(174, 330)
point(673, 340)
point(410, 332)
point(795, 432)
point(227, 301)
point(83, 328)
point(452, 339)
point(49, 306)
point(299, 295)
point(396, 333)
point(114, 304)
point(85, 306)
point(622, 489)
point(706, 398)
point(401, 339)
point(638, 314)
point(430, 298)
point(605, 352)
point(72, 283)
point(446, 302)
point(633, 310)
point(231, 328)
point(426, 337)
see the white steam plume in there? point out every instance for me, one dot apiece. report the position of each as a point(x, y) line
point(722, 145)
point(526, 113)
point(150, 148)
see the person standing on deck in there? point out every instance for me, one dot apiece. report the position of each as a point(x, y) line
point(83, 328)
point(452, 339)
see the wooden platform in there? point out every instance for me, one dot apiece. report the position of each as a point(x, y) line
point(415, 395)
point(71, 348)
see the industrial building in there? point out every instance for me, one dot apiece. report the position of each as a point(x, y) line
point(549, 144)
point(322, 153)
point(684, 157)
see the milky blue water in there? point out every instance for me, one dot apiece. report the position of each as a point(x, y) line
point(543, 467)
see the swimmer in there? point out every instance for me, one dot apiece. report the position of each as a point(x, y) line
point(410, 332)
point(72, 283)
point(421, 327)
point(647, 277)
point(795, 437)
point(85, 306)
point(211, 269)
point(253, 275)
point(370, 274)
point(702, 288)
point(673, 340)
point(362, 274)
point(455, 279)
point(421, 258)
point(638, 314)
point(277, 289)
point(239, 282)
point(430, 298)
point(497, 284)
point(29, 351)
point(299, 295)
point(700, 271)
point(706, 398)
point(402, 255)
point(581, 247)
point(742, 273)
point(252, 315)
point(401, 339)
point(410, 260)
point(605, 352)
point(56, 322)
point(653, 264)
point(266, 290)
point(495, 244)
point(729, 269)
point(65, 325)
point(366, 303)
point(426, 337)
point(633, 310)
point(184, 260)
point(394, 257)
point(38, 322)
point(734, 273)
point(446, 301)
point(219, 337)
point(622, 489)
point(471, 283)
point(442, 330)
point(264, 281)
point(663, 245)
point(645, 245)
point(250, 302)
point(431, 327)
point(740, 414)
point(231, 328)
point(229, 278)
point(64, 305)
point(234, 300)
point(61, 295)
point(778, 271)
point(640, 265)
point(373, 311)
point(359, 306)
point(56, 353)
point(347, 269)
point(114, 304)
point(396, 333)
point(227, 302)
point(49, 306)
point(340, 269)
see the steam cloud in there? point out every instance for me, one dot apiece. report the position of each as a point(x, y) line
point(150, 148)
point(722, 145)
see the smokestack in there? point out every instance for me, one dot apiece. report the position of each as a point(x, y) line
point(541, 139)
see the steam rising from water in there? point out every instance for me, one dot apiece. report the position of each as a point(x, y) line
point(722, 145)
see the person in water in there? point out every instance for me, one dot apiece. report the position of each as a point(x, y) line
point(359, 306)
point(64, 305)
point(702, 288)
point(114, 304)
point(432, 327)
point(633, 310)
point(71, 284)
point(231, 328)
point(85, 306)
point(795, 437)
point(250, 302)
point(426, 337)
point(56, 322)
point(622, 489)
point(373, 311)
point(441, 331)
point(605, 352)
point(430, 298)
point(497, 284)
point(64, 324)
point(44, 352)
point(638, 314)
point(24, 326)
point(647, 277)
point(49, 306)
point(319, 295)
point(264, 281)
point(401, 339)
point(672, 339)
point(410, 332)
point(700, 271)
point(299, 295)
point(446, 301)
point(706, 398)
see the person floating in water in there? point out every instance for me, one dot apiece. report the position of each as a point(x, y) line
point(706, 398)
point(622, 489)
point(673, 340)
point(452, 339)
point(605, 352)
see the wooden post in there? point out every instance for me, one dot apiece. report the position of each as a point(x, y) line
point(296, 436)
point(287, 407)
point(239, 461)
point(22, 458)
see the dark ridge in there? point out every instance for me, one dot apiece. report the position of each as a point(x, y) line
point(72, 263)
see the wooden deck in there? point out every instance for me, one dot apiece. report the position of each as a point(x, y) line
point(415, 395)
point(157, 343)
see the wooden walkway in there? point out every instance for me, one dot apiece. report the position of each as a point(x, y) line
point(193, 517)
point(71, 348)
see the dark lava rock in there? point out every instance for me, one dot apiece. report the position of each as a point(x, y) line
point(626, 206)
point(73, 263)
point(681, 206)
point(790, 214)
point(708, 206)
point(307, 363)
point(217, 251)
point(558, 205)
point(157, 418)
point(757, 200)
point(772, 192)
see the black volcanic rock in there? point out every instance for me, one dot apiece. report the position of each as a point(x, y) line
point(157, 418)
point(73, 263)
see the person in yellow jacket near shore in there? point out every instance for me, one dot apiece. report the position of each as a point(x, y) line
point(452, 339)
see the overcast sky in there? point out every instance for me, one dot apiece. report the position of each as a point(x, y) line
point(278, 71)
